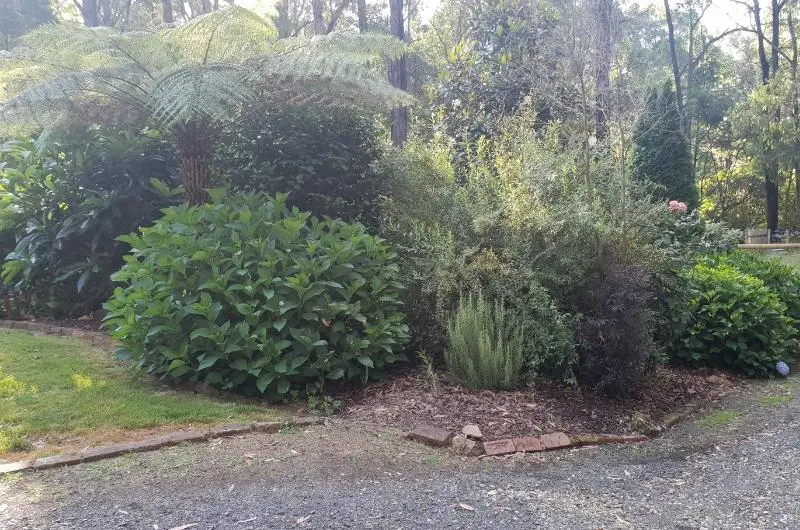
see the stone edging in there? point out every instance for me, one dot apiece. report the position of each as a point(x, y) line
point(468, 445)
point(93, 337)
point(150, 444)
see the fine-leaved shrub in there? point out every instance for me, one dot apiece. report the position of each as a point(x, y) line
point(732, 321)
point(244, 294)
point(486, 344)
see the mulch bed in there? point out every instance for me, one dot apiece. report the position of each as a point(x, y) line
point(406, 401)
point(83, 324)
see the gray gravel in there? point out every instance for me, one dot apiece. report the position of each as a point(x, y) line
point(732, 470)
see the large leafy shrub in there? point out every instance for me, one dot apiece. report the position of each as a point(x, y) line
point(485, 344)
point(778, 277)
point(245, 294)
point(732, 321)
point(64, 204)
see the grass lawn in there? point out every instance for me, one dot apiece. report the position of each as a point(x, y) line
point(53, 388)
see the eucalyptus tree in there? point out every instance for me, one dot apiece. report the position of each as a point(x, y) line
point(193, 82)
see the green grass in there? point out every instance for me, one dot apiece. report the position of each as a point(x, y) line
point(53, 388)
point(775, 400)
point(719, 419)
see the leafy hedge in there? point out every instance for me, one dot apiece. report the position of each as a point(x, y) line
point(244, 294)
point(732, 321)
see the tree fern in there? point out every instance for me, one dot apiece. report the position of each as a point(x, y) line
point(190, 81)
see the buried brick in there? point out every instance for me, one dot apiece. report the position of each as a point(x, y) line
point(528, 444)
point(499, 447)
point(556, 440)
point(431, 436)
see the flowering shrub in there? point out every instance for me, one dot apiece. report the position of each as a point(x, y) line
point(677, 207)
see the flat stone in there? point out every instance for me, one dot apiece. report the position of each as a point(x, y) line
point(229, 430)
point(464, 446)
point(50, 462)
point(185, 436)
point(528, 444)
point(556, 440)
point(717, 380)
point(20, 324)
point(13, 467)
point(499, 447)
point(431, 436)
point(472, 431)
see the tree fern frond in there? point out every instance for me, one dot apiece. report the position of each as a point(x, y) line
point(225, 35)
point(212, 92)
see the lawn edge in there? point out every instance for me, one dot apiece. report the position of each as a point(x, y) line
point(103, 452)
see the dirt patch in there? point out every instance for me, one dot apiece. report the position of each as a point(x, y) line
point(406, 401)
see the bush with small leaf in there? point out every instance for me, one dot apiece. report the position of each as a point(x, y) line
point(244, 294)
point(732, 321)
point(486, 344)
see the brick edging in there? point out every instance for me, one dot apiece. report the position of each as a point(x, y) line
point(96, 338)
point(150, 444)
point(467, 446)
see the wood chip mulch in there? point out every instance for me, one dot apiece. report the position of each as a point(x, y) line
point(406, 401)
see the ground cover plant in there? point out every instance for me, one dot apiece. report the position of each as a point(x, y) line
point(55, 389)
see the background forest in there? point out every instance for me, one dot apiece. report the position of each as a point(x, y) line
point(271, 196)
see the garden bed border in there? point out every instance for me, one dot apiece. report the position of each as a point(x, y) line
point(95, 338)
point(102, 452)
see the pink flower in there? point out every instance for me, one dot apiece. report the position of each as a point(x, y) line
point(677, 207)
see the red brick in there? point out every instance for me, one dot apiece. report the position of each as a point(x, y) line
point(431, 436)
point(499, 447)
point(528, 444)
point(556, 440)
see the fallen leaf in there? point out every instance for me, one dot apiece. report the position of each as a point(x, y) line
point(184, 527)
point(465, 507)
point(247, 520)
point(302, 520)
point(230, 488)
point(249, 456)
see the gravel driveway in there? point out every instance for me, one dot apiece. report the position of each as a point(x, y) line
point(736, 466)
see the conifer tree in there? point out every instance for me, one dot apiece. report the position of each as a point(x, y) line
point(661, 152)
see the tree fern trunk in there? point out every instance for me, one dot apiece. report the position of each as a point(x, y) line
point(194, 155)
point(398, 75)
point(167, 15)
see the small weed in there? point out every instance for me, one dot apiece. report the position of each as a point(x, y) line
point(290, 429)
point(430, 373)
point(719, 419)
point(431, 459)
point(323, 405)
point(775, 401)
point(11, 478)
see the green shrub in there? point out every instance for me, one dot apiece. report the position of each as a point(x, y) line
point(781, 279)
point(486, 344)
point(244, 294)
point(321, 157)
point(732, 321)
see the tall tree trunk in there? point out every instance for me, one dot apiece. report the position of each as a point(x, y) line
point(106, 13)
point(89, 13)
point(673, 53)
point(319, 21)
point(362, 16)
point(283, 24)
point(776, 36)
point(337, 13)
point(166, 6)
point(194, 156)
point(206, 6)
point(770, 168)
point(603, 13)
point(398, 75)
